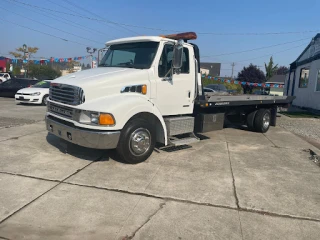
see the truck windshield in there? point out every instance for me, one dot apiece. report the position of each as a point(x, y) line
point(130, 55)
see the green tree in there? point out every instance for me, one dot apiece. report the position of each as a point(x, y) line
point(251, 74)
point(16, 71)
point(19, 53)
point(42, 72)
point(270, 68)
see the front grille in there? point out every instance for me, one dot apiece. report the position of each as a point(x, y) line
point(60, 110)
point(66, 94)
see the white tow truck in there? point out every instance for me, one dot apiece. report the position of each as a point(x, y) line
point(147, 90)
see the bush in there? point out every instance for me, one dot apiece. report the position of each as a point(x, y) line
point(43, 72)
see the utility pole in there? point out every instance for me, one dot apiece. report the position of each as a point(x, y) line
point(232, 65)
point(91, 52)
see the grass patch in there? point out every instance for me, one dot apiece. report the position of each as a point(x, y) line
point(300, 114)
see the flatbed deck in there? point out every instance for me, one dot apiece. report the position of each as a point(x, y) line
point(243, 100)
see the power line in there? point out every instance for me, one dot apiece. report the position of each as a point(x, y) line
point(270, 54)
point(167, 30)
point(66, 21)
point(254, 49)
point(48, 34)
point(89, 29)
point(52, 27)
point(94, 14)
point(257, 33)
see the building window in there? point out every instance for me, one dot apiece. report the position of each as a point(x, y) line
point(304, 78)
point(318, 82)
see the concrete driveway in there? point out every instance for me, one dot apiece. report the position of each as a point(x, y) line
point(234, 184)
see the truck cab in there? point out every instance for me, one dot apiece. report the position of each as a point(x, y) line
point(145, 90)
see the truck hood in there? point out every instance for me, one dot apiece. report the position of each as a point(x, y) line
point(103, 81)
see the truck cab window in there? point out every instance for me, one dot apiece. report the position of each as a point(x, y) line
point(138, 55)
point(166, 60)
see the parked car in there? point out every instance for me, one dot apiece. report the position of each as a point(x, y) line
point(4, 77)
point(208, 90)
point(11, 86)
point(261, 92)
point(36, 94)
point(218, 89)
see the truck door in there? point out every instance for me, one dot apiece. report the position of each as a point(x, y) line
point(175, 94)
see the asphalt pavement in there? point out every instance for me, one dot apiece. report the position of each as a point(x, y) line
point(233, 184)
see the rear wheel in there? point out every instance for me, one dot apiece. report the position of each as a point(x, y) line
point(45, 100)
point(250, 120)
point(262, 120)
point(137, 141)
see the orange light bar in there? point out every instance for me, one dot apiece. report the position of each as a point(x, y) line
point(184, 36)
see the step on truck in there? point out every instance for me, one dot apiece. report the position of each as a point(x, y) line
point(145, 91)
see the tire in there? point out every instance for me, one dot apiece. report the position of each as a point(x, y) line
point(250, 120)
point(262, 120)
point(128, 147)
point(45, 100)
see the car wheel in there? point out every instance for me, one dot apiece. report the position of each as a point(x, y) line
point(137, 141)
point(45, 100)
point(262, 120)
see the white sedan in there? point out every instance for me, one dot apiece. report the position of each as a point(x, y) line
point(36, 94)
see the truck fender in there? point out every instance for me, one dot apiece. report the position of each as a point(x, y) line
point(143, 106)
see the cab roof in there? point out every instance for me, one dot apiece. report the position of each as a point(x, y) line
point(171, 37)
point(138, 39)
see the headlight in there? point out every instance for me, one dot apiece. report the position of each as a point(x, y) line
point(96, 118)
point(35, 94)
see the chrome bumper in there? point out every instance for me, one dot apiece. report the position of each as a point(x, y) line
point(85, 138)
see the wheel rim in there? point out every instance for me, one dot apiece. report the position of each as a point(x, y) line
point(140, 141)
point(266, 120)
point(45, 100)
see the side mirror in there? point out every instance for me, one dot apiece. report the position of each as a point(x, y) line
point(177, 55)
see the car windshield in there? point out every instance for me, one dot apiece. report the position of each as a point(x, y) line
point(42, 84)
point(130, 55)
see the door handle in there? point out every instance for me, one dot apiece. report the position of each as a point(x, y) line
point(189, 94)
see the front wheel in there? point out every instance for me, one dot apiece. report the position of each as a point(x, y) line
point(45, 100)
point(137, 141)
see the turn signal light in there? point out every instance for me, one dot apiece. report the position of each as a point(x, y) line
point(106, 119)
point(144, 89)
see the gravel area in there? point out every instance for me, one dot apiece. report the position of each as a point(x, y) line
point(306, 127)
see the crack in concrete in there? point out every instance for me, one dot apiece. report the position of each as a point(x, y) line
point(148, 219)
point(4, 238)
point(233, 179)
point(240, 225)
point(15, 138)
point(260, 212)
point(58, 183)
point(270, 140)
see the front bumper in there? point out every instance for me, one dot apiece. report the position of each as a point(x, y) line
point(86, 138)
point(28, 99)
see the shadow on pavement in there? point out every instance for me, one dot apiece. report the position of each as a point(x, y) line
point(84, 153)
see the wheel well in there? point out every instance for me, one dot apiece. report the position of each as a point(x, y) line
point(155, 122)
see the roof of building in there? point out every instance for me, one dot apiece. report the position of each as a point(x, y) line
point(278, 79)
point(295, 64)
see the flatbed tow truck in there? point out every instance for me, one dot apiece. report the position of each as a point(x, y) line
point(148, 90)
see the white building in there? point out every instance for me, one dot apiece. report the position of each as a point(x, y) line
point(303, 80)
point(204, 71)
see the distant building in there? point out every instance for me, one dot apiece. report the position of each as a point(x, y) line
point(213, 68)
point(276, 79)
point(204, 71)
point(303, 79)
